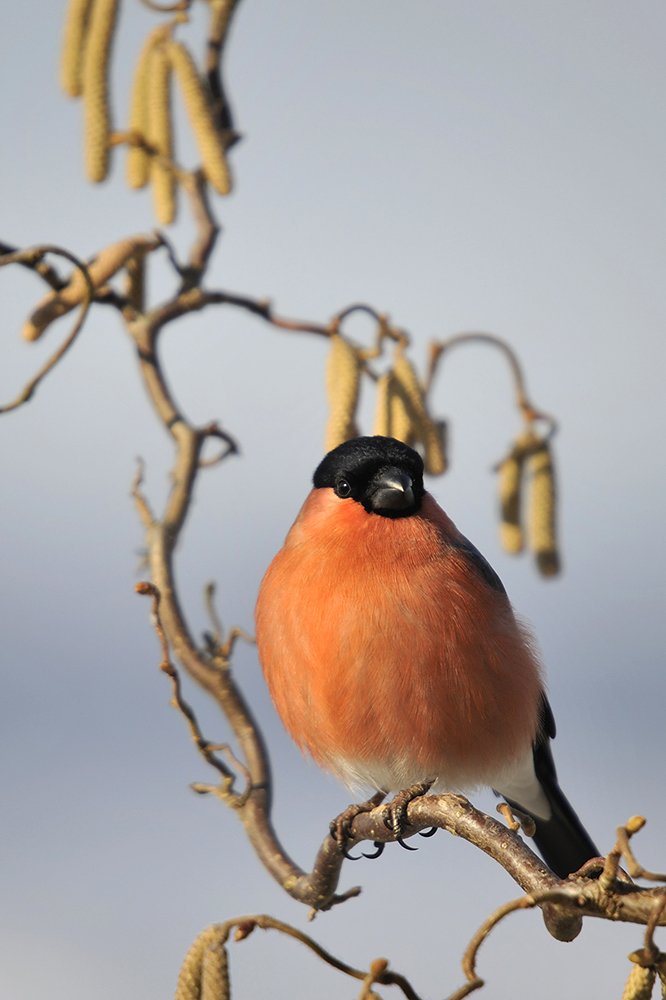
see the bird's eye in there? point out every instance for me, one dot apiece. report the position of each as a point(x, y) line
point(342, 488)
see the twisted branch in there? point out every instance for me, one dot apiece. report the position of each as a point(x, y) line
point(33, 258)
point(530, 413)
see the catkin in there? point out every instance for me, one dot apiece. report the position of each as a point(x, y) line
point(95, 87)
point(105, 265)
point(159, 135)
point(191, 971)
point(76, 23)
point(428, 432)
point(510, 482)
point(541, 520)
point(401, 412)
point(392, 410)
point(198, 109)
point(138, 160)
point(215, 973)
point(639, 984)
point(382, 406)
point(343, 371)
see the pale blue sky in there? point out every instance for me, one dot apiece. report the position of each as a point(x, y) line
point(460, 165)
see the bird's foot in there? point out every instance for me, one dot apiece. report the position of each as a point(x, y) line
point(395, 813)
point(341, 826)
point(516, 819)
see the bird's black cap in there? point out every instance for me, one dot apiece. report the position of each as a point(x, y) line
point(382, 474)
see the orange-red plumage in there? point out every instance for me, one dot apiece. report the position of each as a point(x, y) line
point(388, 656)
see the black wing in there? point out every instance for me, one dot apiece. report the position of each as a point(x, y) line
point(562, 839)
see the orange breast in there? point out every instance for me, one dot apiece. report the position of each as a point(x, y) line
point(387, 656)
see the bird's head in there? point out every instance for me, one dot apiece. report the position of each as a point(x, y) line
point(384, 475)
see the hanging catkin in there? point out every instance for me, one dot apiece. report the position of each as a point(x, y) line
point(428, 432)
point(138, 160)
point(343, 370)
point(541, 520)
point(159, 134)
point(639, 984)
point(392, 416)
point(105, 265)
point(197, 106)
point(189, 986)
point(76, 23)
point(510, 486)
point(95, 87)
point(402, 417)
point(382, 402)
point(215, 973)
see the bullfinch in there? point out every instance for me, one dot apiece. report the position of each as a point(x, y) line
point(393, 655)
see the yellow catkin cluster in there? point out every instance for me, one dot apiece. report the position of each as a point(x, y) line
point(343, 372)
point(204, 974)
point(84, 69)
point(106, 264)
point(76, 23)
point(639, 984)
point(197, 105)
point(94, 77)
point(529, 460)
point(541, 521)
point(159, 135)
point(401, 412)
point(138, 160)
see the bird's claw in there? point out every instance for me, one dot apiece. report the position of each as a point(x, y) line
point(406, 846)
point(340, 827)
point(395, 813)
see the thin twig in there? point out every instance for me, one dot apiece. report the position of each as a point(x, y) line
point(204, 747)
point(437, 349)
point(44, 270)
point(385, 976)
point(624, 833)
point(474, 982)
point(212, 430)
point(209, 601)
point(142, 504)
point(31, 257)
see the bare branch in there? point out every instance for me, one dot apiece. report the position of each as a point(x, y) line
point(205, 748)
point(218, 935)
point(44, 270)
point(624, 833)
point(437, 349)
point(32, 257)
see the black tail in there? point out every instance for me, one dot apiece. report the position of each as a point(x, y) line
point(562, 839)
point(563, 842)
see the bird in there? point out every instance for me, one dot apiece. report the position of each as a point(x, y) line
point(393, 655)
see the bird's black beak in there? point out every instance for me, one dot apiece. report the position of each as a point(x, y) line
point(392, 491)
